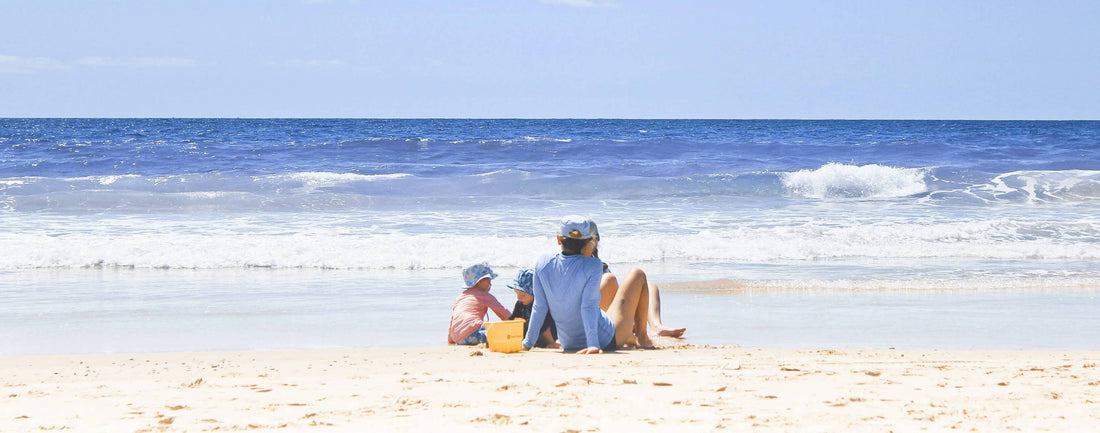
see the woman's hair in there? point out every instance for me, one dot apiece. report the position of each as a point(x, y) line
point(573, 246)
point(596, 236)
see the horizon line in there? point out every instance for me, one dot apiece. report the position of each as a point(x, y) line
point(930, 119)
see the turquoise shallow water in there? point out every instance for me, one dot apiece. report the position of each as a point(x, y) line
point(118, 311)
point(1011, 319)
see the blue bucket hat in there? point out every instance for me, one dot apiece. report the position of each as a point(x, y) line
point(477, 272)
point(524, 282)
point(576, 227)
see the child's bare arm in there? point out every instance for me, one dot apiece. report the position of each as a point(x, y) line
point(497, 308)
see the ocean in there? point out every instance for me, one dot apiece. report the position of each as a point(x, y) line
point(132, 235)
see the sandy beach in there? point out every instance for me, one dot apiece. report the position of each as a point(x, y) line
point(676, 388)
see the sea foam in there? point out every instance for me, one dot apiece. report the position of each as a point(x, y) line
point(437, 242)
point(870, 181)
point(1066, 185)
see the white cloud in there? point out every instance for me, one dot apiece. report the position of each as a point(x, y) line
point(136, 62)
point(314, 63)
point(581, 3)
point(318, 2)
point(29, 64)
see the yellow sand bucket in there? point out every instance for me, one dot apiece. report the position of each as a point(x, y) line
point(505, 336)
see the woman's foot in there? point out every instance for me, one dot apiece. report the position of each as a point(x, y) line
point(665, 331)
point(671, 332)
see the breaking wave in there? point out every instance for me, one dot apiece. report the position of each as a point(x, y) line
point(871, 181)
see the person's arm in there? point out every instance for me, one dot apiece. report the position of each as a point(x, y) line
point(590, 308)
point(495, 305)
point(538, 315)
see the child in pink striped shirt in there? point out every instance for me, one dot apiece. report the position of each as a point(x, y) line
point(466, 316)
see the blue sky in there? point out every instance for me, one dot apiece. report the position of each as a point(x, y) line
point(957, 59)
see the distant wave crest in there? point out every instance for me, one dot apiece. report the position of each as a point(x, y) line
point(870, 181)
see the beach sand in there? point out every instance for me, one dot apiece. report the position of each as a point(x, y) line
point(445, 389)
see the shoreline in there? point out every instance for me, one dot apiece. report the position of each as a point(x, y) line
point(684, 387)
point(216, 314)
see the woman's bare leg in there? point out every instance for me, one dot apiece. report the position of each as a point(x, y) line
point(609, 285)
point(655, 315)
point(629, 310)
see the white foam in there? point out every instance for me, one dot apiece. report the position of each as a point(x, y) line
point(537, 138)
point(985, 239)
point(870, 181)
point(315, 179)
point(307, 250)
point(501, 172)
point(1041, 186)
point(107, 180)
point(432, 241)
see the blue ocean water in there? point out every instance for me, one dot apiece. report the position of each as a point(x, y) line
point(773, 205)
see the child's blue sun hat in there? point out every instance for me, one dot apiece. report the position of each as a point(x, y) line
point(524, 281)
point(477, 272)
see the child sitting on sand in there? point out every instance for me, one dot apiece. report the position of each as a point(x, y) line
point(522, 310)
point(466, 323)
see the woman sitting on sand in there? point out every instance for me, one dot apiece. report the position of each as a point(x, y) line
point(567, 286)
point(609, 286)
